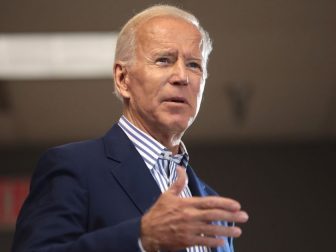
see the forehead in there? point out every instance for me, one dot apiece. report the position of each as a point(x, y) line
point(169, 31)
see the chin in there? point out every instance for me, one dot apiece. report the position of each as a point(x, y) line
point(179, 125)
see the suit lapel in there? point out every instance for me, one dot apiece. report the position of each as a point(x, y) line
point(196, 187)
point(129, 169)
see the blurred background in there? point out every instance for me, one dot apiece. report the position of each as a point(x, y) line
point(266, 131)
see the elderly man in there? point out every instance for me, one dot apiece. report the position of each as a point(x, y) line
point(133, 189)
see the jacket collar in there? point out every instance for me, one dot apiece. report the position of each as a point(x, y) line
point(130, 170)
point(132, 173)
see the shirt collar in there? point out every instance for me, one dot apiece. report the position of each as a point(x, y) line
point(148, 147)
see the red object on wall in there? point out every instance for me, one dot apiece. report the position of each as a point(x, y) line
point(13, 192)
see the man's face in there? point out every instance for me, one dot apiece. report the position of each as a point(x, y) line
point(165, 81)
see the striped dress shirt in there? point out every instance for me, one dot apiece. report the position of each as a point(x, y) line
point(160, 161)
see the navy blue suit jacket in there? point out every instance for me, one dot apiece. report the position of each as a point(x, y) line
point(89, 197)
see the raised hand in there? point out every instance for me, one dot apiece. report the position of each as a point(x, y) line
point(174, 223)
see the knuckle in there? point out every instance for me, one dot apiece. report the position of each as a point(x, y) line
point(210, 215)
point(233, 231)
point(212, 230)
point(213, 215)
point(209, 203)
point(187, 215)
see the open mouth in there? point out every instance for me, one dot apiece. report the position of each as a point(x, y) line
point(176, 100)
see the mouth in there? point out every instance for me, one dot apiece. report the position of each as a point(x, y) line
point(180, 100)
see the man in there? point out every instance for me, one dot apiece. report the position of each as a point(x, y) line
point(133, 189)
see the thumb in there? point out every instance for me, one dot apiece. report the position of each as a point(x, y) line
point(180, 183)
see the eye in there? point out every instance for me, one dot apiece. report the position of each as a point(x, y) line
point(163, 61)
point(195, 65)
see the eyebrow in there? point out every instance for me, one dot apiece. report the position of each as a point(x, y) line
point(163, 52)
point(195, 58)
point(173, 53)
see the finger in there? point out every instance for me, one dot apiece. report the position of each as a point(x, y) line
point(210, 242)
point(220, 215)
point(214, 202)
point(217, 230)
point(180, 182)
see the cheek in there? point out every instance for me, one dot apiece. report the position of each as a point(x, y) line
point(197, 91)
point(140, 90)
point(146, 96)
point(198, 94)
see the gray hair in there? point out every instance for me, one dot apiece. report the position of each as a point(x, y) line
point(126, 44)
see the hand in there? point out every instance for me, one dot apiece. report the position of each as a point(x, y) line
point(174, 223)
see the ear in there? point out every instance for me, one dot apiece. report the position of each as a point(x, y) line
point(121, 79)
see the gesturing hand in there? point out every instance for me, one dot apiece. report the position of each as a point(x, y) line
point(174, 223)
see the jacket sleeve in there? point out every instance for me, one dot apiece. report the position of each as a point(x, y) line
point(54, 217)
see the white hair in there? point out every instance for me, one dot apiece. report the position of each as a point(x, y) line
point(126, 42)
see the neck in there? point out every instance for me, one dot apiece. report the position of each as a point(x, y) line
point(171, 140)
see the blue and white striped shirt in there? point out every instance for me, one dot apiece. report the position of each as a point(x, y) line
point(160, 161)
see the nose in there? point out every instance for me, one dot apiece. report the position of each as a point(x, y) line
point(180, 74)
